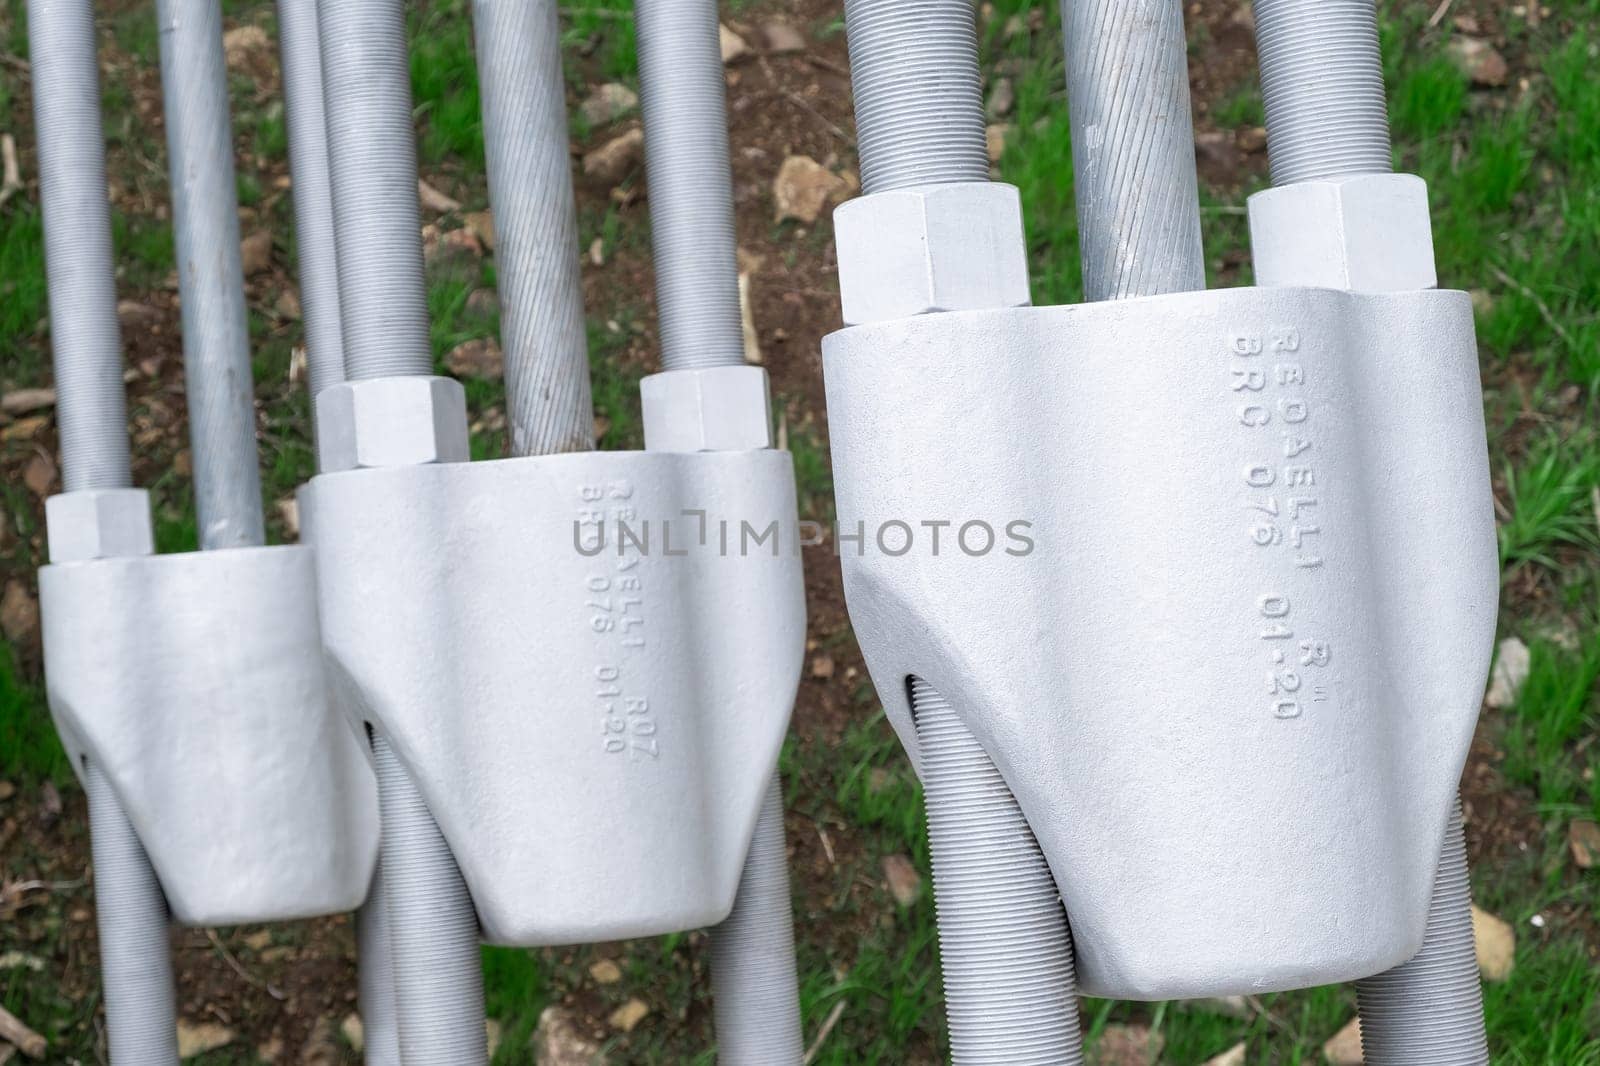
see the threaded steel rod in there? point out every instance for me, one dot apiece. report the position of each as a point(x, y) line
point(372, 156)
point(1132, 148)
point(86, 345)
point(135, 955)
point(85, 341)
point(300, 45)
point(754, 988)
point(1322, 83)
point(548, 401)
point(372, 163)
point(315, 253)
point(205, 213)
point(433, 928)
point(682, 98)
point(1429, 1011)
point(757, 998)
point(1009, 987)
point(918, 96)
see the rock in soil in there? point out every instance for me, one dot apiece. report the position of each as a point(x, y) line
point(605, 972)
point(608, 103)
point(19, 614)
point(1127, 1045)
point(1496, 944)
point(558, 1042)
point(905, 883)
point(434, 200)
point(255, 253)
point(1234, 1056)
point(734, 47)
point(26, 401)
point(781, 38)
point(1511, 663)
point(1478, 60)
point(40, 474)
point(1344, 1047)
point(616, 159)
point(627, 1017)
point(479, 358)
point(1583, 837)
point(802, 187)
point(197, 1038)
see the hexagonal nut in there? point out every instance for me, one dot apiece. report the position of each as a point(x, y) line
point(718, 409)
point(1367, 233)
point(394, 421)
point(98, 524)
point(955, 247)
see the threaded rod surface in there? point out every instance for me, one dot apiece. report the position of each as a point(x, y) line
point(315, 252)
point(1132, 148)
point(380, 1029)
point(918, 96)
point(205, 212)
point(756, 995)
point(85, 341)
point(1005, 949)
point(691, 186)
point(135, 954)
point(1322, 83)
point(433, 927)
point(536, 226)
point(1429, 1011)
point(372, 162)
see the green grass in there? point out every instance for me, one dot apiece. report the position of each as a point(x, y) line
point(29, 747)
point(1555, 708)
point(1551, 504)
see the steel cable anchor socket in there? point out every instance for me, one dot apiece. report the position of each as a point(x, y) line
point(194, 683)
point(1233, 669)
point(586, 661)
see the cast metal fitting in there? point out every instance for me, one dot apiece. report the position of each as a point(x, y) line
point(98, 524)
point(715, 409)
point(1366, 233)
point(391, 421)
point(954, 247)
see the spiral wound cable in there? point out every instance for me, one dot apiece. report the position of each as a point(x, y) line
point(1429, 1011)
point(205, 211)
point(1132, 148)
point(548, 401)
point(433, 929)
point(683, 102)
point(84, 339)
point(372, 161)
point(1008, 973)
point(1322, 83)
point(86, 348)
point(313, 199)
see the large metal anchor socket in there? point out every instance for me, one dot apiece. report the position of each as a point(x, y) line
point(195, 682)
point(1231, 664)
point(587, 662)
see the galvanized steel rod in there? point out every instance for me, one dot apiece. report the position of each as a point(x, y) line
point(301, 56)
point(919, 121)
point(1327, 117)
point(918, 96)
point(315, 252)
point(205, 211)
point(372, 163)
point(432, 924)
point(548, 403)
point(1132, 148)
point(130, 910)
point(683, 101)
point(1322, 84)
